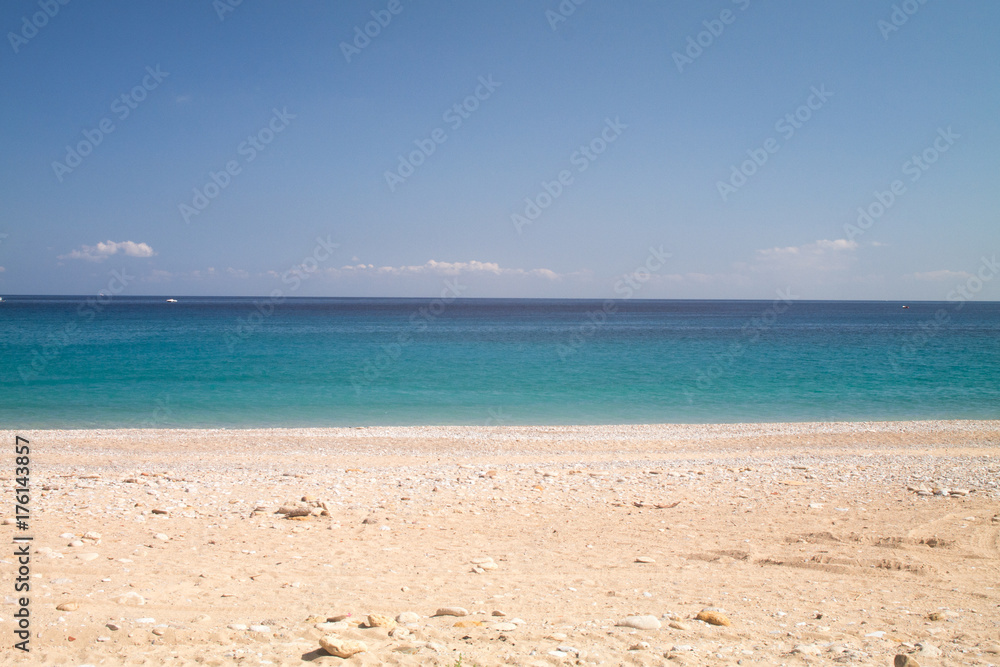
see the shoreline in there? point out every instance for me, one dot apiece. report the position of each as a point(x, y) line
point(820, 541)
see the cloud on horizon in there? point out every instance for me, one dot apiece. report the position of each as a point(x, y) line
point(821, 255)
point(104, 249)
point(436, 268)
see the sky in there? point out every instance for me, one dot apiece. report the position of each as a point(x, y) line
point(733, 149)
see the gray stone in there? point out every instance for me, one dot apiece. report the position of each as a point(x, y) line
point(452, 611)
point(640, 622)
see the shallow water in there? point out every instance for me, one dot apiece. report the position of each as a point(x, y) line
point(240, 362)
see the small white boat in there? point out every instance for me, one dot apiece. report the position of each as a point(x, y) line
point(171, 300)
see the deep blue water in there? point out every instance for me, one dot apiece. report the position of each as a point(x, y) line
point(75, 362)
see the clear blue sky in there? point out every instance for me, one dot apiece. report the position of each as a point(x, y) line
point(673, 129)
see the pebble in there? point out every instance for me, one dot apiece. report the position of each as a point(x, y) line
point(452, 611)
point(641, 646)
point(408, 617)
point(505, 627)
point(114, 627)
point(159, 632)
point(640, 622)
point(162, 536)
point(380, 621)
point(677, 625)
point(260, 628)
point(239, 627)
point(90, 556)
point(342, 648)
point(713, 618)
point(904, 661)
point(68, 606)
point(645, 559)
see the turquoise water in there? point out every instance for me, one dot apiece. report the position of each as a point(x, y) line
point(76, 362)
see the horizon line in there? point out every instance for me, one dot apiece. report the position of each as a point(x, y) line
point(478, 298)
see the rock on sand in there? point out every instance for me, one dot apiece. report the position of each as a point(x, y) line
point(341, 648)
point(640, 622)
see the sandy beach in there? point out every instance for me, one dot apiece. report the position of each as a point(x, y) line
point(798, 544)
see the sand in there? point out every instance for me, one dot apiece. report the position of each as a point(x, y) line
point(820, 543)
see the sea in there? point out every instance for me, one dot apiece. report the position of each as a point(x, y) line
point(115, 362)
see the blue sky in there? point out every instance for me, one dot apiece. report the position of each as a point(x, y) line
point(253, 151)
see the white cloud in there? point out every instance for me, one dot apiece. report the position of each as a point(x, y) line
point(105, 249)
point(822, 255)
point(198, 274)
point(942, 274)
point(436, 268)
point(238, 273)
